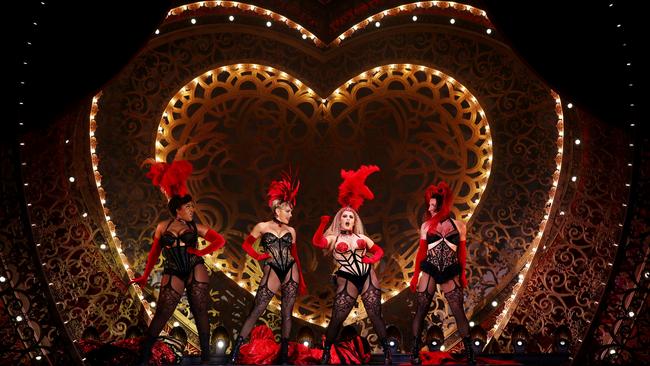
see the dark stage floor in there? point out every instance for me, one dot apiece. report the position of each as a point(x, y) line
point(404, 359)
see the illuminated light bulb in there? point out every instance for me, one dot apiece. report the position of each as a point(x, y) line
point(442, 348)
point(478, 343)
point(415, 18)
point(577, 141)
point(19, 318)
point(304, 36)
point(452, 21)
point(231, 18)
point(305, 343)
point(102, 247)
point(574, 178)
point(177, 324)
point(193, 21)
point(268, 24)
point(471, 324)
point(494, 303)
point(377, 24)
point(152, 304)
point(570, 105)
point(488, 31)
point(38, 358)
point(561, 213)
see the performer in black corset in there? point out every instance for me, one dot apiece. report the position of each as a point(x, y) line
point(184, 268)
point(440, 260)
point(280, 263)
point(346, 241)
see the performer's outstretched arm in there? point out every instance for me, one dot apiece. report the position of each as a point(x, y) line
point(422, 253)
point(152, 258)
point(247, 245)
point(302, 286)
point(373, 248)
point(319, 240)
point(462, 251)
point(216, 241)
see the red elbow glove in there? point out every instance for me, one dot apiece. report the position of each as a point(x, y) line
point(216, 241)
point(319, 240)
point(248, 247)
point(152, 259)
point(462, 259)
point(422, 253)
point(377, 253)
point(302, 286)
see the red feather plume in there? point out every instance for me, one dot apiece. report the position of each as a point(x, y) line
point(354, 191)
point(284, 189)
point(171, 178)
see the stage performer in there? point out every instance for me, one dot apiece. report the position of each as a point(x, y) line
point(354, 252)
point(280, 263)
point(440, 260)
point(184, 268)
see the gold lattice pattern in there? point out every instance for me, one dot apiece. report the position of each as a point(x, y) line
point(248, 122)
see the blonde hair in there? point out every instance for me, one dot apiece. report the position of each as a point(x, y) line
point(278, 204)
point(335, 226)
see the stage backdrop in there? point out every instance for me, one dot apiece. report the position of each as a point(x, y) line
point(425, 101)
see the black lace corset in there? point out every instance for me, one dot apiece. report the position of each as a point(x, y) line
point(174, 248)
point(279, 248)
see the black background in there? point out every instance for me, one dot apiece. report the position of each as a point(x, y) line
point(575, 46)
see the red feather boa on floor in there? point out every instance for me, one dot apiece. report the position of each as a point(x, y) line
point(264, 350)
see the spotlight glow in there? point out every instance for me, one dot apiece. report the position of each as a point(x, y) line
point(220, 343)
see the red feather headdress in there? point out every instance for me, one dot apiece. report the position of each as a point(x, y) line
point(443, 190)
point(171, 177)
point(284, 189)
point(354, 191)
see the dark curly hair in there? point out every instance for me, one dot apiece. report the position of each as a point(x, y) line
point(176, 202)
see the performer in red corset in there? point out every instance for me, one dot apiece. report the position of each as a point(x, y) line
point(184, 268)
point(440, 260)
point(354, 252)
point(280, 263)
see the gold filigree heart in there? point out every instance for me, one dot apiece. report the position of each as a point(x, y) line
point(249, 122)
